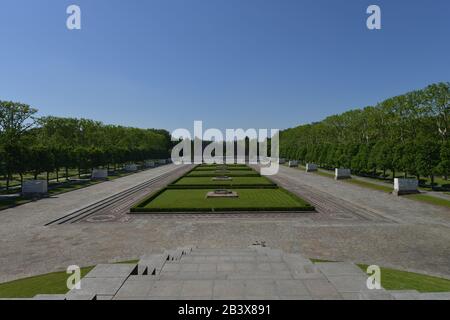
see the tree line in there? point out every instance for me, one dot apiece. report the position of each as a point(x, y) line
point(408, 133)
point(30, 144)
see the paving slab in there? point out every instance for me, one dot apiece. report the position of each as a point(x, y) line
point(228, 288)
point(166, 288)
point(321, 288)
point(260, 288)
point(101, 286)
point(404, 294)
point(135, 288)
point(291, 288)
point(434, 296)
point(197, 288)
point(117, 270)
point(348, 283)
point(339, 269)
point(50, 297)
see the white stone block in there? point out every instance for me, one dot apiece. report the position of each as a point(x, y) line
point(99, 174)
point(34, 187)
point(293, 163)
point(162, 161)
point(310, 167)
point(405, 186)
point(131, 167)
point(342, 174)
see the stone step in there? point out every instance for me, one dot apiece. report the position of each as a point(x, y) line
point(152, 264)
point(217, 258)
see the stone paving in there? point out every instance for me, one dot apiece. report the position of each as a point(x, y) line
point(352, 224)
point(256, 273)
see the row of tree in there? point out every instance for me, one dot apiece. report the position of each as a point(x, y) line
point(29, 144)
point(407, 133)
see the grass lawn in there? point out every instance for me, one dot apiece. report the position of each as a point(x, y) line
point(233, 173)
point(392, 279)
point(249, 199)
point(51, 283)
point(369, 185)
point(219, 168)
point(235, 181)
point(9, 202)
point(429, 199)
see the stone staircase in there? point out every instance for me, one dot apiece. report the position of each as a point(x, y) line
point(253, 273)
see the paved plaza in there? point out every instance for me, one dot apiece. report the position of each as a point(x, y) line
point(351, 224)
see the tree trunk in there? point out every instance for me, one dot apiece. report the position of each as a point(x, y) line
point(48, 176)
point(67, 173)
point(79, 173)
point(432, 181)
point(57, 175)
point(384, 173)
point(7, 181)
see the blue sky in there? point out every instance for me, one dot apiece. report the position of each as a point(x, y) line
point(230, 63)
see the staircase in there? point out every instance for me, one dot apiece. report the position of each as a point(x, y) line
point(253, 273)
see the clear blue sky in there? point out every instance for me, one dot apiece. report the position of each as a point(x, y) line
point(230, 63)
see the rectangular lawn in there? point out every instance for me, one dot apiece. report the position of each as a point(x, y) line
point(195, 181)
point(189, 200)
point(234, 173)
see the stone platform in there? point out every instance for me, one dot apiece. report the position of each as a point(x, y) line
point(256, 272)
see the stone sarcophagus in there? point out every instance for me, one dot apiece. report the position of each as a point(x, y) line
point(340, 173)
point(405, 186)
point(149, 164)
point(98, 174)
point(34, 187)
point(131, 167)
point(293, 163)
point(311, 167)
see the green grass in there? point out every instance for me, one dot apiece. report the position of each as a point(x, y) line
point(195, 200)
point(392, 279)
point(234, 173)
point(220, 169)
point(235, 181)
point(51, 283)
point(369, 185)
point(429, 199)
point(11, 202)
